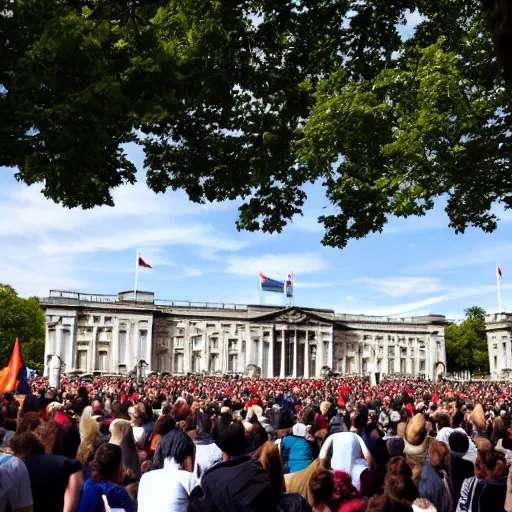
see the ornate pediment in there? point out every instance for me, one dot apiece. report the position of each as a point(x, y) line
point(291, 317)
point(295, 316)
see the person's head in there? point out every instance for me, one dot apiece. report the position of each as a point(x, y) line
point(118, 429)
point(28, 423)
point(458, 443)
point(416, 430)
point(231, 440)
point(107, 464)
point(177, 449)
point(443, 420)
point(26, 444)
point(321, 485)
point(52, 437)
point(490, 464)
point(268, 456)
point(137, 414)
point(324, 408)
point(398, 483)
point(96, 407)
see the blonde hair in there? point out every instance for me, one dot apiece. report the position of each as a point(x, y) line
point(90, 433)
point(299, 481)
point(268, 456)
point(118, 429)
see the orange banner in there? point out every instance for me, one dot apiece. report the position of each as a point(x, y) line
point(8, 375)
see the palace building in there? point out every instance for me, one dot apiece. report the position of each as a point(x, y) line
point(119, 334)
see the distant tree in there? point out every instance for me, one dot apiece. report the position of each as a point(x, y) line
point(475, 312)
point(466, 344)
point(23, 319)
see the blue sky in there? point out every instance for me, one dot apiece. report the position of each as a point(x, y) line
point(416, 266)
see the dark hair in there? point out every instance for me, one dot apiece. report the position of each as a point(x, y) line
point(28, 423)
point(443, 420)
point(231, 439)
point(52, 437)
point(321, 485)
point(26, 444)
point(164, 424)
point(106, 463)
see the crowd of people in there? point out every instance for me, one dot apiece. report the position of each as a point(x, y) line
point(212, 444)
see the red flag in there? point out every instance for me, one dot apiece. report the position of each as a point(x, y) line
point(142, 263)
point(499, 271)
point(8, 375)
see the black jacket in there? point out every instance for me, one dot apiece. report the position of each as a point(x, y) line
point(239, 484)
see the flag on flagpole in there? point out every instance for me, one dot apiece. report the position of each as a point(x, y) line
point(499, 274)
point(8, 376)
point(289, 285)
point(271, 285)
point(143, 263)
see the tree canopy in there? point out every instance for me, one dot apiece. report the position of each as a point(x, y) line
point(23, 319)
point(253, 99)
point(466, 344)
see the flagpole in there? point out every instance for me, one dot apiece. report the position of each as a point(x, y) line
point(136, 275)
point(500, 310)
point(293, 288)
point(261, 289)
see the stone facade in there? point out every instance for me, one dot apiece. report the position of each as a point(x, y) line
point(112, 334)
point(499, 334)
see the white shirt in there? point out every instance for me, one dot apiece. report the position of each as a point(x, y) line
point(206, 456)
point(165, 490)
point(15, 490)
point(139, 434)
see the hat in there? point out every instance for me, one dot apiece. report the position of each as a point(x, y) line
point(415, 431)
point(458, 442)
point(478, 416)
point(231, 440)
point(299, 430)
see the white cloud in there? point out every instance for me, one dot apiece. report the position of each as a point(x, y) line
point(490, 254)
point(403, 286)
point(423, 305)
point(276, 266)
point(191, 235)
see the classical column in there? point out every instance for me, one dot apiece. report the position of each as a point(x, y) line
point(260, 351)
point(248, 346)
point(92, 355)
point(319, 354)
point(187, 349)
point(270, 365)
point(114, 345)
point(240, 362)
point(148, 356)
point(306, 356)
point(330, 354)
point(295, 353)
point(281, 372)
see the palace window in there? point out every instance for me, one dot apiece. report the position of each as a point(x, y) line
point(422, 365)
point(97, 319)
point(122, 347)
point(102, 360)
point(108, 320)
point(81, 360)
point(178, 362)
point(215, 343)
